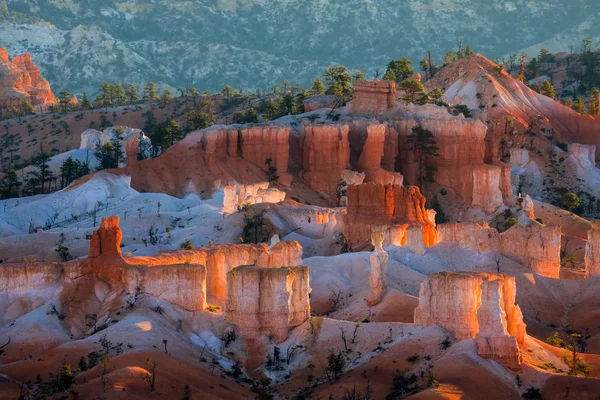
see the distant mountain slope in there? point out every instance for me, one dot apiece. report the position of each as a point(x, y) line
point(258, 43)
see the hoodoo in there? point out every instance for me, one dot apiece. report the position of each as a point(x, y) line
point(478, 306)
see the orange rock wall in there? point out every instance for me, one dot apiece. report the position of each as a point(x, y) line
point(536, 246)
point(20, 80)
point(375, 205)
point(373, 97)
point(267, 301)
point(478, 306)
point(326, 155)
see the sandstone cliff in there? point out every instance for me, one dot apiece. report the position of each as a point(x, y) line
point(372, 206)
point(373, 97)
point(21, 80)
point(478, 306)
point(267, 301)
point(535, 246)
point(220, 259)
point(217, 156)
point(460, 164)
point(326, 156)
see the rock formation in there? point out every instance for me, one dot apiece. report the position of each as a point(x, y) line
point(592, 252)
point(218, 260)
point(368, 142)
point(254, 143)
point(535, 246)
point(267, 301)
point(326, 156)
point(460, 164)
point(374, 205)
point(106, 241)
point(21, 80)
point(478, 306)
point(183, 284)
point(373, 97)
point(235, 197)
point(379, 259)
point(529, 207)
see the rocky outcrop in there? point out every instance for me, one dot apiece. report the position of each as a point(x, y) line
point(475, 236)
point(326, 156)
point(181, 284)
point(478, 306)
point(373, 97)
point(379, 260)
point(220, 259)
point(460, 164)
point(254, 143)
point(21, 80)
point(235, 197)
point(28, 276)
point(373, 206)
point(584, 154)
point(106, 241)
point(592, 253)
point(267, 301)
point(320, 101)
point(529, 207)
point(534, 246)
point(368, 141)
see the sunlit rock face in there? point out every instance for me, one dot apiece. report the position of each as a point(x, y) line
point(592, 253)
point(373, 206)
point(235, 197)
point(478, 306)
point(222, 258)
point(326, 156)
point(373, 97)
point(460, 163)
point(535, 246)
point(267, 301)
point(21, 80)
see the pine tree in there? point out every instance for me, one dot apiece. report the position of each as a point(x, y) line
point(412, 89)
point(9, 185)
point(468, 51)
point(423, 144)
point(85, 103)
point(166, 96)
point(594, 103)
point(579, 105)
point(104, 98)
point(132, 94)
point(150, 92)
point(173, 132)
point(118, 94)
point(424, 67)
point(548, 90)
point(449, 58)
point(359, 75)
point(339, 81)
point(64, 97)
point(27, 108)
point(399, 70)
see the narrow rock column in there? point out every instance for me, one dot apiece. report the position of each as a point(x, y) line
point(379, 261)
